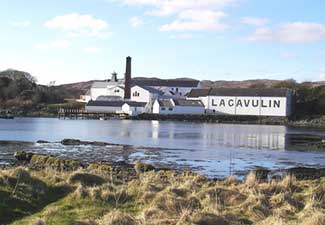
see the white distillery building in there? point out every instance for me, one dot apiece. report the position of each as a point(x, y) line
point(127, 107)
point(178, 107)
point(115, 87)
point(104, 106)
point(134, 108)
point(246, 101)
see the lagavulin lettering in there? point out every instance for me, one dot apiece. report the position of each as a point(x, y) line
point(247, 103)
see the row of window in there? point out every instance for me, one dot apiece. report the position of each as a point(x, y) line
point(136, 94)
point(163, 109)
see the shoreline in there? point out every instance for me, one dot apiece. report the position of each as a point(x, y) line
point(317, 121)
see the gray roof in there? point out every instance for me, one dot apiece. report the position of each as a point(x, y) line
point(183, 102)
point(166, 83)
point(194, 93)
point(152, 90)
point(99, 84)
point(245, 92)
point(165, 103)
point(154, 82)
point(105, 84)
point(249, 92)
point(136, 104)
point(109, 98)
point(106, 103)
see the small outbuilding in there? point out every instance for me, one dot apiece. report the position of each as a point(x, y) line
point(104, 106)
point(134, 108)
point(178, 106)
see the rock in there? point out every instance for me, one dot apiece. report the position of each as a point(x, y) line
point(43, 161)
point(261, 174)
point(42, 142)
point(23, 156)
point(71, 142)
point(304, 173)
point(143, 167)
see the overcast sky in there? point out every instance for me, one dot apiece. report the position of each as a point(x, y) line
point(78, 40)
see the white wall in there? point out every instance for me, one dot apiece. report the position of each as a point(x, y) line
point(156, 108)
point(111, 91)
point(132, 110)
point(177, 110)
point(104, 109)
point(96, 92)
point(139, 94)
point(187, 110)
point(258, 106)
point(115, 91)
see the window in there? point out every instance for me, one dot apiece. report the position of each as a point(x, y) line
point(163, 108)
point(116, 91)
point(136, 94)
point(177, 89)
point(170, 109)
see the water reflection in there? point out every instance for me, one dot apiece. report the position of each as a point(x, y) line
point(151, 133)
point(213, 149)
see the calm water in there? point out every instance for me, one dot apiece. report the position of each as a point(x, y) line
point(212, 149)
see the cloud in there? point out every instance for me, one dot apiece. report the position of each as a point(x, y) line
point(164, 8)
point(188, 15)
point(21, 24)
point(196, 20)
point(59, 44)
point(136, 22)
point(253, 21)
point(296, 32)
point(92, 50)
point(185, 36)
point(288, 55)
point(76, 25)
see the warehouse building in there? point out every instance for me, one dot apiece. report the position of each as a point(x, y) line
point(178, 107)
point(246, 101)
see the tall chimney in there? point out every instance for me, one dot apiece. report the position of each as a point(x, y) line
point(127, 88)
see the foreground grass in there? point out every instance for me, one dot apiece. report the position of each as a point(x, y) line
point(94, 197)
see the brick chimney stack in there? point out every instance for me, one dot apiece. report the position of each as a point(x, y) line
point(127, 88)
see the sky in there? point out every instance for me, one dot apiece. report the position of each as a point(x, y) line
point(78, 40)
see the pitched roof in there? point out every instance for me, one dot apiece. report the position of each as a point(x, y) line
point(245, 92)
point(106, 103)
point(165, 83)
point(267, 92)
point(136, 104)
point(165, 103)
point(184, 102)
point(105, 84)
point(194, 93)
point(151, 90)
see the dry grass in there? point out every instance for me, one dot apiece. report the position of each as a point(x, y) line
point(168, 198)
point(117, 218)
point(37, 221)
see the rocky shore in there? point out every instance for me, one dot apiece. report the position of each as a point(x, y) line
point(45, 190)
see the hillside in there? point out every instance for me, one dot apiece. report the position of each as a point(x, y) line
point(19, 90)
